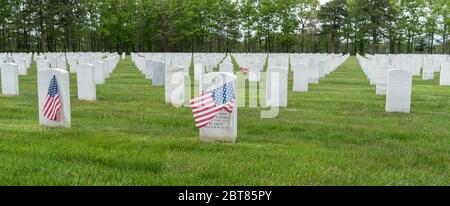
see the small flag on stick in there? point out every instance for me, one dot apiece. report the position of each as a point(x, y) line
point(52, 106)
point(206, 106)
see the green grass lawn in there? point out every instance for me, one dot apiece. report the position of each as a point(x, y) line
point(336, 134)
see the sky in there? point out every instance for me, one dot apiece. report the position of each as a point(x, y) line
point(323, 1)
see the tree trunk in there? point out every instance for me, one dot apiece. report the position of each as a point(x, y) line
point(374, 42)
point(432, 42)
point(303, 38)
point(346, 46)
point(444, 38)
point(2, 36)
point(392, 45)
point(361, 47)
point(333, 43)
point(408, 49)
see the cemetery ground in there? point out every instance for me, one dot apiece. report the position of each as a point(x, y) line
point(336, 134)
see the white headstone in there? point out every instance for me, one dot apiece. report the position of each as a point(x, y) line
point(445, 75)
point(86, 82)
point(10, 79)
point(42, 64)
point(415, 65)
point(62, 79)
point(22, 66)
point(382, 79)
point(427, 71)
point(174, 85)
point(277, 86)
point(100, 68)
point(399, 88)
point(209, 67)
point(74, 65)
point(300, 83)
point(226, 67)
point(253, 76)
point(223, 127)
point(148, 68)
point(53, 62)
point(108, 67)
point(61, 63)
point(123, 55)
point(322, 69)
point(373, 72)
point(158, 74)
point(199, 70)
point(436, 66)
point(313, 72)
point(254, 71)
point(228, 59)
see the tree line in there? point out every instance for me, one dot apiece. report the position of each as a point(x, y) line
point(348, 26)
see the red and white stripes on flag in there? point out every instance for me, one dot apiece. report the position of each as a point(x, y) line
point(52, 106)
point(204, 109)
point(206, 106)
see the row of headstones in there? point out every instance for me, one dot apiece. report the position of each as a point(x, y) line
point(171, 70)
point(154, 65)
point(413, 63)
point(23, 61)
point(85, 76)
point(91, 69)
point(419, 64)
point(157, 67)
point(253, 62)
point(277, 59)
point(68, 61)
point(88, 75)
point(224, 126)
point(151, 69)
point(305, 71)
point(12, 65)
point(10, 79)
point(394, 83)
point(275, 81)
point(226, 132)
point(206, 62)
point(307, 68)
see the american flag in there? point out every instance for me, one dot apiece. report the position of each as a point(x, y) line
point(206, 106)
point(52, 106)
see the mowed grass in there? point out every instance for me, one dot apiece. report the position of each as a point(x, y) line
point(336, 134)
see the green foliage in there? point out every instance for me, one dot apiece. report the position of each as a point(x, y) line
point(223, 25)
point(332, 16)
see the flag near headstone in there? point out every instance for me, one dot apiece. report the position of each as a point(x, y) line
point(52, 106)
point(206, 106)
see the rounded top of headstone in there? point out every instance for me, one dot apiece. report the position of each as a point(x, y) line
point(387, 67)
point(399, 72)
point(175, 68)
point(218, 78)
point(282, 69)
point(299, 67)
point(53, 70)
